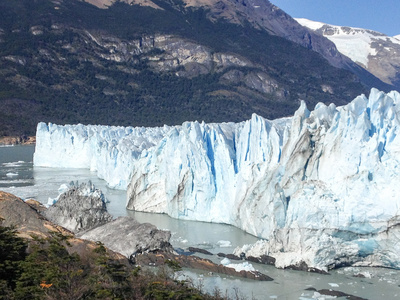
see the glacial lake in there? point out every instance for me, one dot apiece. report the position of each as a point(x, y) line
point(18, 176)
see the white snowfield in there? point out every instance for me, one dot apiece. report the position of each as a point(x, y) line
point(356, 43)
point(320, 188)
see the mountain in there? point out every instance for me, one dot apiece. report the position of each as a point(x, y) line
point(374, 51)
point(162, 62)
point(320, 187)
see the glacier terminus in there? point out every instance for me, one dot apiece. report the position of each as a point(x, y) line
point(321, 188)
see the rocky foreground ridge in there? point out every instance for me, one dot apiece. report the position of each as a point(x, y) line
point(88, 269)
point(143, 244)
point(42, 260)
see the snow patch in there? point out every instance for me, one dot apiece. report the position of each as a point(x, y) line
point(356, 43)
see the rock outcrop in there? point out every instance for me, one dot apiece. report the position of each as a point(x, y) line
point(185, 261)
point(129, 237)
point(26, 218)
point(17, 140)
point(81, 207)
point(29, 222)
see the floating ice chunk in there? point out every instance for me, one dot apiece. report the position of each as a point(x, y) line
point(225, 261)
point(12, 174)
point(13, 164)
point(224, 244)
point(333, 284)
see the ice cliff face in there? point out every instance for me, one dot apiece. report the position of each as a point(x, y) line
point(109, 151)
point(321, 187)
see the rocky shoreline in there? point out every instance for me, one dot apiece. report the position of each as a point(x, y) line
point(80, 213)
point(17, 140)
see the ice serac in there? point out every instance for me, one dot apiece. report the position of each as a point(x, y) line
point(110, 151)
point(321, 188)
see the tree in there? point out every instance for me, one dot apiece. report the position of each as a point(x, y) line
point(12, 252)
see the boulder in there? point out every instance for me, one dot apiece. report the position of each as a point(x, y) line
point(129, 237)
point(81, 207)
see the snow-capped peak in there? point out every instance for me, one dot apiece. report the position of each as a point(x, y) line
point(374, 51)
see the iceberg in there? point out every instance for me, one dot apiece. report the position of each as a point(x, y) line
point(320, 188)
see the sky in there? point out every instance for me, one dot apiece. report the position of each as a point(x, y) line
point(379, 15)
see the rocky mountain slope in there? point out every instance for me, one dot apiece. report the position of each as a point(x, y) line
point(162, 62)
point(374, 51)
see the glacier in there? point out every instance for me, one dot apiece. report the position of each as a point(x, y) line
point(108, 150)
point(319, 188)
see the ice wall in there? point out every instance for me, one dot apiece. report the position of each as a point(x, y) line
point(108, 150)
point(320, 188)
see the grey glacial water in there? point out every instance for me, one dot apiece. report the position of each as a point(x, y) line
point(18, 176)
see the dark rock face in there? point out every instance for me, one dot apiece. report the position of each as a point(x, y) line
point(127, 236)
point(80, 208)
point(339, 294)
point(233, 257)
point(304, 267)
point(263, 259)
point(199, 250)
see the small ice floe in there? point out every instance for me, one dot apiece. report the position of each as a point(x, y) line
point(13, 164)
point(364, 274)
point(318, 296)
point(11, 174)
point(224, 244)
point(225, 261)
point(333, 284)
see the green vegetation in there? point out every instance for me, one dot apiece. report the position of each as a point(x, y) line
point(62, 76)
point(46, 268)
point(12, 252)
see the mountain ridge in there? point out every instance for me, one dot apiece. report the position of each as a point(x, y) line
point(71, 62)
